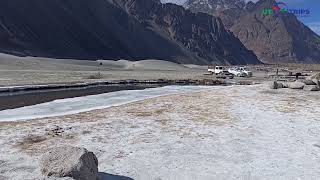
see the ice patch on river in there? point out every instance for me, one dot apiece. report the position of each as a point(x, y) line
point(87, 103)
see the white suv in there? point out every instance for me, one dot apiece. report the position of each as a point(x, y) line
point(217, 69)
point(240, 72)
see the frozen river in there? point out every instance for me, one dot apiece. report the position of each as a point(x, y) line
point(87, 103)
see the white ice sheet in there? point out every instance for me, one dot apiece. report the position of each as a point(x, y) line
point(87, 103)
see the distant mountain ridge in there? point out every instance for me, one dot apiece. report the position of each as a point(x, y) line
point(277, 39)
point(117, 29)
point(274, 39)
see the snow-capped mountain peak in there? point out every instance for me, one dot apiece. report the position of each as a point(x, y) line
point(213, 6)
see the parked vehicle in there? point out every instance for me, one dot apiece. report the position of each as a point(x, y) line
point(240, 72)
point(247, 71)
point(216, 69)
point(224, 74)
point(237, 72)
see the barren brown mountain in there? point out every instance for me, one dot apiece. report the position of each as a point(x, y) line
point(274, 39)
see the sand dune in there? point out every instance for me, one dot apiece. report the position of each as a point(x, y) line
point(10, 62)
point(151, 64)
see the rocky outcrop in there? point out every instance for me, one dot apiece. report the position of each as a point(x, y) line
point(67, 161)
point(117, 29)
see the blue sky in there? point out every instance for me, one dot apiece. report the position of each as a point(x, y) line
point(313, 21)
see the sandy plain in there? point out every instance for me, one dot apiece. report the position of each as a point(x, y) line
point(29, 70)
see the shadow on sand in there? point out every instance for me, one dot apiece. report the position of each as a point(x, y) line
point(106, 176)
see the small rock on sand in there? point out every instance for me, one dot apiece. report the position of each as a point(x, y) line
point(285, 84)
point(68, 161)
point(276, 85)
point(273, 85)
point(311, 88)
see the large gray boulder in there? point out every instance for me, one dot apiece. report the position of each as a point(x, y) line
point(315, 78)
point(316, 81)
point(311, 82)
point(307, 81)
point(68, 161)
point(311, 88)
point(296, 85)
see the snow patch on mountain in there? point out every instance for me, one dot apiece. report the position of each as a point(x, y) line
point(180, 2)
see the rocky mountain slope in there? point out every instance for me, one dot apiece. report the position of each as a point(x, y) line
point(117, 29)
point(277, 39)
point(274, 39)
point(227, 10)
